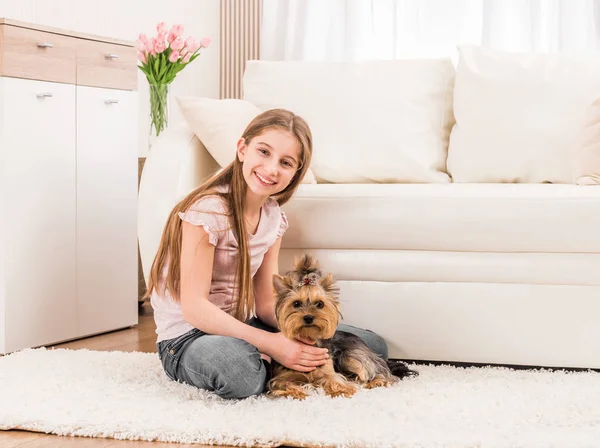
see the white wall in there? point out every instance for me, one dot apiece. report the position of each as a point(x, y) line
point(125, 19)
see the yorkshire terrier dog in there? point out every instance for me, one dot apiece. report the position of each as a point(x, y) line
point(308, 307)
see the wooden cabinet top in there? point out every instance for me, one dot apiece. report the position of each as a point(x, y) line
point(50, 29)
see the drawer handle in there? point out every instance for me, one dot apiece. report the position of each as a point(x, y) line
point(44, 95)
point(111, 56)
point(111, 101)
point(45, 45)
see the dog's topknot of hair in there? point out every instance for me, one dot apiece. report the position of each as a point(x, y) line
point(306, 267)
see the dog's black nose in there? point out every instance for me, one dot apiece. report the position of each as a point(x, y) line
point(308, 319)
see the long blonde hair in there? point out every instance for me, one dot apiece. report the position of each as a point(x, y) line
point(169, 250)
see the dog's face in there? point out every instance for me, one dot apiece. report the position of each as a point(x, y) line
point(310, 311)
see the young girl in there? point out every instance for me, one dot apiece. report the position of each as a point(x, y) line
point(211, 281)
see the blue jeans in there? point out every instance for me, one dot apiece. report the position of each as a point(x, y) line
point(231, 367)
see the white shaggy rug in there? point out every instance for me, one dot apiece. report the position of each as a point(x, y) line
point(127, 396)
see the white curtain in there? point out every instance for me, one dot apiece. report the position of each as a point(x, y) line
point(346, 30)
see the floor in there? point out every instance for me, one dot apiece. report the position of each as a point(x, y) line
point(139, 338)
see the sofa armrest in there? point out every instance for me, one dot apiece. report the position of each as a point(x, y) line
point(176, 164)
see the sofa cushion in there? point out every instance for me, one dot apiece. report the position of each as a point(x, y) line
point(518, 115)
point(449, 217)
point(372, 121)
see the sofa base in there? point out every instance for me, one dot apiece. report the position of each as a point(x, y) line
point(495, 323)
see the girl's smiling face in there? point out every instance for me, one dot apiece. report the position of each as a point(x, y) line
point(270, 161)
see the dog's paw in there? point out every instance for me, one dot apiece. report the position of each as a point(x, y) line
point(296, 394)
point(380, 382)
point(340, 389)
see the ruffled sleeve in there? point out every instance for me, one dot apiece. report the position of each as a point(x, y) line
point(283, 225)
point(209, 212)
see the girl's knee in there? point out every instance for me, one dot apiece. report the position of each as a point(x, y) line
point(231, 368)
point(253, 384)
point(247, 376)
point(377, 344)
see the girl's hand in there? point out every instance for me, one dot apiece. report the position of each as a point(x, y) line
point(296, 355)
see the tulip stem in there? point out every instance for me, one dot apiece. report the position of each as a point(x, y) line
point(158, 107)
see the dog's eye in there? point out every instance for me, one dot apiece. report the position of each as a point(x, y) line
point(320, 305)
point(297, 304)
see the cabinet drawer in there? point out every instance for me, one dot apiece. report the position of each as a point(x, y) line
point(31, 54)
point(101, 64)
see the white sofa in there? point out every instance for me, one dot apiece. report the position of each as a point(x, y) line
point(457, 270)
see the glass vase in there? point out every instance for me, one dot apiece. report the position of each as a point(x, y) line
point(159, 109)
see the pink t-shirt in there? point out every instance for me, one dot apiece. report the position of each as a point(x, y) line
point(210, 213)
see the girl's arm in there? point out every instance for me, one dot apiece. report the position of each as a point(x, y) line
point(197, 258)
point(263, 285)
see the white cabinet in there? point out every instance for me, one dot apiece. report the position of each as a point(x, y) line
point(68, 187)
point(106, 196)
point(37, 141)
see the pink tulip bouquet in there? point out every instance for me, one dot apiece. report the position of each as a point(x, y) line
point(161, 58)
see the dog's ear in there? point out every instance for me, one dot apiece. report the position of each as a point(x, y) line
point(282, 285)
point(330, 286)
